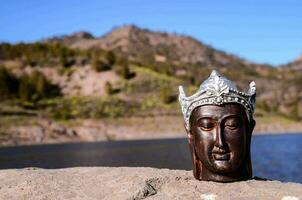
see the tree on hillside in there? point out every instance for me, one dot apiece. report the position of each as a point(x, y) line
point(124, 71)
point(108, 88)
point(8, 84)
point(166, 95)
point(40, 84)
point(64, 59)
point(99, 65)
point(294, 108)
point(110, 58)
point(35, 86)
point(25, 89)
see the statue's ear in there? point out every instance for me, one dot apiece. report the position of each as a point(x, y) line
point(191, 143)
point(195, 161)
point(190, 137)
point(252, 125)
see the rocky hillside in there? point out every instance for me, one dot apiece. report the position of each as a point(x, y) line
point(150, 64)
point(142, 45)
point(191, 61)
point(295, 65)
point(172, 54)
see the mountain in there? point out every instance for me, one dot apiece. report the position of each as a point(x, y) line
point(175, 54)
point(145, 46)
point(183, 56)
point(70, 39)
point(295, 65)
point(160, 60)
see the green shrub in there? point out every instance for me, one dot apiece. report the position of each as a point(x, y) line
point(35, 86)
point(108, 88)
point(263, 105)
point(99, 65)
point(268, 106)
point(294, 112)
point(8, 84)
point(166, 95)
point(91, 108)
point(124, 71)
point(25, 88)
point(40, 53)
point(110, 58)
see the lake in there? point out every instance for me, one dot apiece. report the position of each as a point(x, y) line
point(277, 157)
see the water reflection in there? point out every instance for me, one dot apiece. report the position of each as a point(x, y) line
point(273, 156)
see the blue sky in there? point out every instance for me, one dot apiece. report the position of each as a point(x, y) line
point(263, 31)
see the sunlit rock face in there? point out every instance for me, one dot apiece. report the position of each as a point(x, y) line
point(133, 183)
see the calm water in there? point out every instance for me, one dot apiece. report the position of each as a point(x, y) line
point(276, 157)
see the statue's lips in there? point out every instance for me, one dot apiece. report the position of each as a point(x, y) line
point(221, 156)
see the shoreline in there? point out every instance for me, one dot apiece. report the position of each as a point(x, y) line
point(278, 133)
point(46, 131)
point(142, 139)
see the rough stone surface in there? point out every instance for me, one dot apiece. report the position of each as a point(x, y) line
point(133, 183)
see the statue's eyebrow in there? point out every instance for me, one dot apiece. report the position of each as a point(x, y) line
point(207, 117)
point(225, 117)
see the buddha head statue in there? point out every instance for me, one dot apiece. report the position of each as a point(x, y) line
point(219, 124)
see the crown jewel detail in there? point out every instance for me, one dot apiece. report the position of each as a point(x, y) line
point(217, 90)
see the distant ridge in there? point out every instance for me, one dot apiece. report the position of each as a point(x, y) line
point(147, 46)
point(70, 39)
point(295, 65)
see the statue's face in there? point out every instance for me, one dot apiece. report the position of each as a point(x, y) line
point(219, 136)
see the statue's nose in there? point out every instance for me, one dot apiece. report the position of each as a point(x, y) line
point(219, 141)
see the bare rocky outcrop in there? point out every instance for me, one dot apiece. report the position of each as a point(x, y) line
point(139, 44)
point(296, 65)
point(80, 81)
point(133, 183)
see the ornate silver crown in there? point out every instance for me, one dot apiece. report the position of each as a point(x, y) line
point(217, 90)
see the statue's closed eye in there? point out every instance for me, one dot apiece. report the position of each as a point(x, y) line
point(232, 123)
point(206, 124)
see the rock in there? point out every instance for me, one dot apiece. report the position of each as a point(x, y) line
point(58, 129)
point(133, 183)
point(71, 132)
